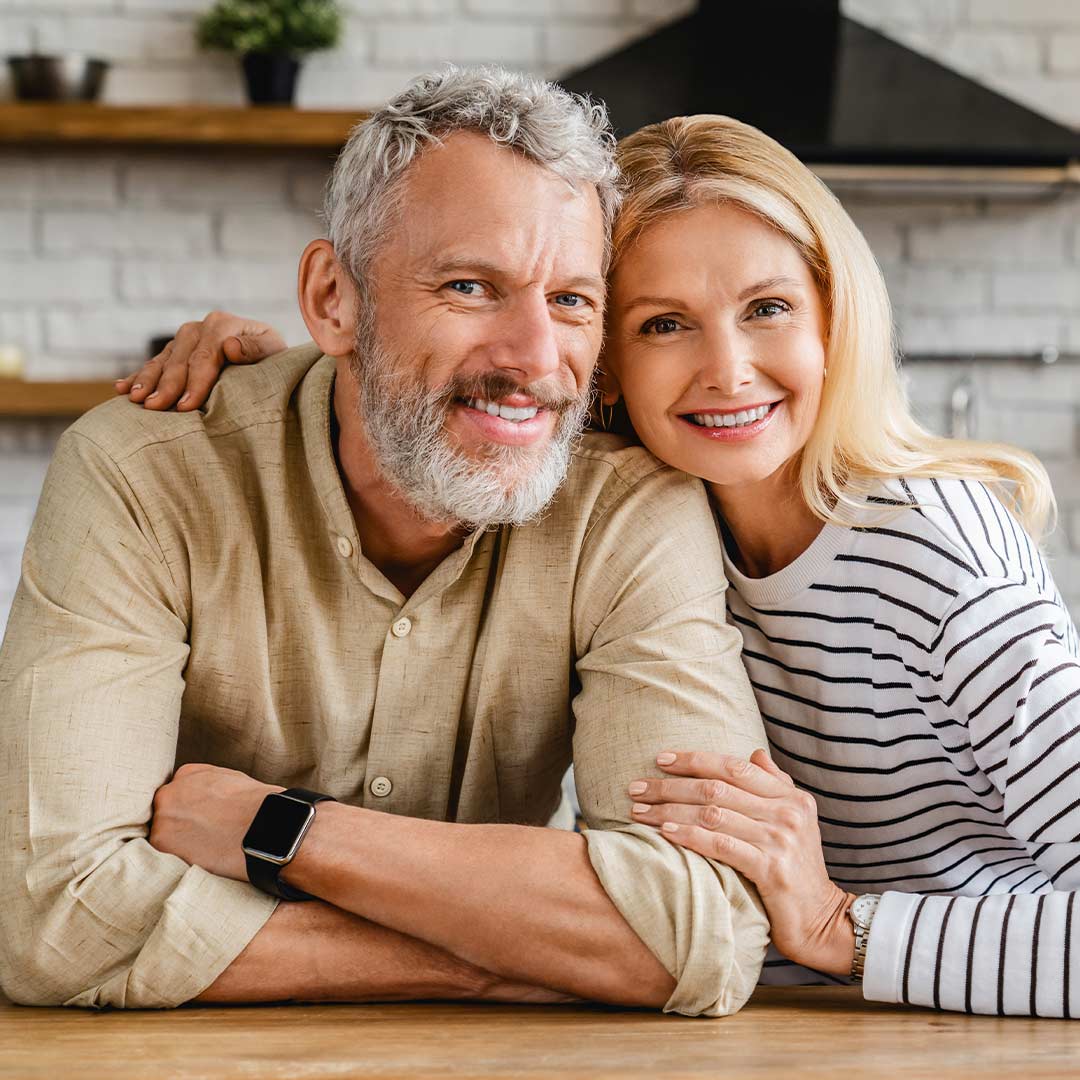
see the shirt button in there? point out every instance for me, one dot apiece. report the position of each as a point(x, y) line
point(381, 786)
point(344, 546)
point(402, 627)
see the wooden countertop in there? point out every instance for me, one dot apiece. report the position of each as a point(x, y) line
point(810, 1032)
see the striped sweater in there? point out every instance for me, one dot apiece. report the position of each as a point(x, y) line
point(920, 675)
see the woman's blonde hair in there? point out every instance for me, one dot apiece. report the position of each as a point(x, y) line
point(865, 431)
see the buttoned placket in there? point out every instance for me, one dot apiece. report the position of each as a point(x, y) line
point(410, 729)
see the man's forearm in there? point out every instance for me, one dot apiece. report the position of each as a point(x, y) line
point(521, 902)
point(316, 952)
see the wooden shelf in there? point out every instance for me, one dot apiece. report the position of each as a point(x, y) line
point(49, 123)
point(44, 399)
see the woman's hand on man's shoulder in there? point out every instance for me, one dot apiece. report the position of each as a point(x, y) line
point(185, 371)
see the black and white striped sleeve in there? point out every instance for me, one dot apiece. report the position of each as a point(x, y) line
point(1003, 667)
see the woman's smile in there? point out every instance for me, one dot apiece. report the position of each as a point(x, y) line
point(731, 425)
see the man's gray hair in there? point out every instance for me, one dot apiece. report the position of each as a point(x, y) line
point(563, 132)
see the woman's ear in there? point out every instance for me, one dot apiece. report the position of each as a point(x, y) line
point(327, 296)
point(608, 386)
point(607, 382)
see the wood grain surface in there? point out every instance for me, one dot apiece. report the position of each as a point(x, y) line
point(806, 1032)
point(19, 398)
point(174, 125)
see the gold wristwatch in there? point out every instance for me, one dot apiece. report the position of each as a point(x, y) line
point(861, 914)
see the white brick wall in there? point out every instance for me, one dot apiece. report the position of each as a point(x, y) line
point(99, 251)
point(1026, 49)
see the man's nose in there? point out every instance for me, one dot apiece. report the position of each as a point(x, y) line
point(529, 348)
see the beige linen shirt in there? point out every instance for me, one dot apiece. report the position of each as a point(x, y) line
point(193, 589)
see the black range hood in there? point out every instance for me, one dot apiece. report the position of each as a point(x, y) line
point(830, 89)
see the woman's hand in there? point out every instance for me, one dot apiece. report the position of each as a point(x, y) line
point(751, 816)
point(184, 372)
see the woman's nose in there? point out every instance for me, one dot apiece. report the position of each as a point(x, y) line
point(727, 364)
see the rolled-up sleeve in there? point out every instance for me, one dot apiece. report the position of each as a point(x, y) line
point(660, 669)
point(91, 679)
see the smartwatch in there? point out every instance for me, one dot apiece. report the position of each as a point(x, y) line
point(274, 838)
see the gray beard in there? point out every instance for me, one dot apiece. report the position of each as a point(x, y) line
point(405, 423)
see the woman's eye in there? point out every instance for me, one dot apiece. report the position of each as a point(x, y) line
point(662, 324)
point(466, 288)
point(767, 309)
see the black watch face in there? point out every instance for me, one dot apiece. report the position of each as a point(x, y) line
point(277, 825)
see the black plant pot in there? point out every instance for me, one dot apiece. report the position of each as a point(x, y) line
point(271, 78)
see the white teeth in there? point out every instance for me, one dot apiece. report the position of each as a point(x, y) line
point(504, 412)
point(735, 419)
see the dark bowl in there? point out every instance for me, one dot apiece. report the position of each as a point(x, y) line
point(57, 78)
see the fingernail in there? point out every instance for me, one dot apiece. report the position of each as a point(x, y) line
point(665, 759)
point(118, 382)
point(669, 826)
point(641, 808)
point(137, 386)
point(184, 398)
point(638, 787)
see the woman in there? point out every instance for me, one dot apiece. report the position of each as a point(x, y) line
point(917, 672)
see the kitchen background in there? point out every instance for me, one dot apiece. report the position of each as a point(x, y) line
point(104, 248)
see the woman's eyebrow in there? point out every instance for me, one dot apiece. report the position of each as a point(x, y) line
point(653, 301)
point(674, 302)
point(770, 283)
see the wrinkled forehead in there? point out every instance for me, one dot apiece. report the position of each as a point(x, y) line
point(468, 195)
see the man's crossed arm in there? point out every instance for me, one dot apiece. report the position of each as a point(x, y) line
point(444, 909)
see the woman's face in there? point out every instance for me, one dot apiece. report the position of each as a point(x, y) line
point(717, 343)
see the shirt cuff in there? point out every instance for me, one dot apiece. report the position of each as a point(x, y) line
point(697, 917)
point(206, 922)
point(887, 945)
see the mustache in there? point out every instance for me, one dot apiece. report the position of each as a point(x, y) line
point(492, 385)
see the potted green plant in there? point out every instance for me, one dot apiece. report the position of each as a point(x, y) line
point(270, 36)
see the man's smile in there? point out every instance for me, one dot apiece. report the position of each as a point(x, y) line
point(506, 422)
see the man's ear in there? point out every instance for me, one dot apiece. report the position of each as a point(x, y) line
point(328, 299)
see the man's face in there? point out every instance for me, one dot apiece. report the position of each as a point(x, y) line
point(488, 299)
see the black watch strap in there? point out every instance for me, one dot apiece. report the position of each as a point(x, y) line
point(265, 874)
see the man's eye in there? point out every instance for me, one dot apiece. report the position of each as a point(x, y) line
point(466, 288)
point(570, 300)
point(662, 324)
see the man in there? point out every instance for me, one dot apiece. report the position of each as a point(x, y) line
point(356, 571)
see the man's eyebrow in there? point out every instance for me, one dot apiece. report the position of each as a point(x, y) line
point(587, 281)
point(465, 264)
point(459, 264)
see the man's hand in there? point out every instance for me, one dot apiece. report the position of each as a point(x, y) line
point(202, 815)
point(185, 371)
